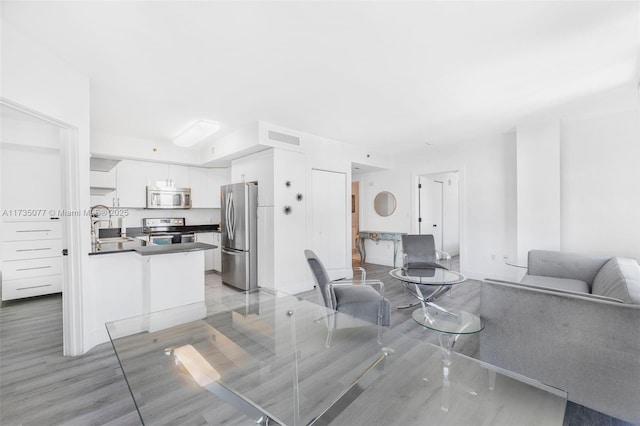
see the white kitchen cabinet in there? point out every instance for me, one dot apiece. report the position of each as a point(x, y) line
point(179, 176)
point(127, 285)
point(205, 186)
point(131, 184)
point(171, 175)
point(207, 238)
point(157, 174)
point(31, 258)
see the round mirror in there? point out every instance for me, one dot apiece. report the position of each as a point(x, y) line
point(385, 203)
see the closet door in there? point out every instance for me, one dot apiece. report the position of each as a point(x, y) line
point(329, 220)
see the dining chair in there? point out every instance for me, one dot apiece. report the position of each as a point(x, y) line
point(419, 251)
point(357, 298)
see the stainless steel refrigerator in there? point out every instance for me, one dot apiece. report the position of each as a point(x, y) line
point(239, 235)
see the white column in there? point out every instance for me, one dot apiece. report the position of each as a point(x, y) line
point(538, 187)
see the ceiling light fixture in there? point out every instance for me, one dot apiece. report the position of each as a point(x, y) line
point(196, 132)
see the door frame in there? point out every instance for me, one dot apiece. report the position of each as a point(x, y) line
point(72, 296)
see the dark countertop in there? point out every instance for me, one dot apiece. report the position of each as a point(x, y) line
point(173, 248)
point(143, 249)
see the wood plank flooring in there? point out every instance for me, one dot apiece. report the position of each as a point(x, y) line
point(38, 386)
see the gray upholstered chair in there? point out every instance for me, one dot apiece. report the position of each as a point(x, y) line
point(419, 251)
point(361, 303)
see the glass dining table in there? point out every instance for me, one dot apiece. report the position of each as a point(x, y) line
point(260, 357)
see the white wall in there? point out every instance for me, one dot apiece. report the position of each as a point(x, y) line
point(538, 182)
point(601, 185)
point(487, 189)
point(399, 184)
point(487, 199)
point(34, 78)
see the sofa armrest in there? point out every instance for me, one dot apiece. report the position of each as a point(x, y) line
point(586, 346)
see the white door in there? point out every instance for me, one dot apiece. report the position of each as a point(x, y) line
point(436, 209)
point(329, 220)
point(431, 210)
point(438, 206)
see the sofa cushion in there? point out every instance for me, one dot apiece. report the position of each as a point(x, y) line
point(619, 278)
point(557, 283)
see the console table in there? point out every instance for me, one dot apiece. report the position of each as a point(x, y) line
point(378, 236)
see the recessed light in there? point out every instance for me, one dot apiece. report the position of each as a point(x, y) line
point(196, 132)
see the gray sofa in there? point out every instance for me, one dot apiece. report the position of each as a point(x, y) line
point(572, 323)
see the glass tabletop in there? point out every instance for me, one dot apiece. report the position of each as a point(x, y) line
point(261, 357)
point(256, 355)
point(428, 276)
point(451, 321)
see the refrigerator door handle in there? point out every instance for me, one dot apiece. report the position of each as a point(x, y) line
point(230, 215)
point(233, 253)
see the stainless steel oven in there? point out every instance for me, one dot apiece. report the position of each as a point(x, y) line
point(160, 239)
point(169, 230)
point(159, 197)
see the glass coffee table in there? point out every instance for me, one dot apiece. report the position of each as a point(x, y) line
point(260, 357)
point(450, 324)
point(427, 284)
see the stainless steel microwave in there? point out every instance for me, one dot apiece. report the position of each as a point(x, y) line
point(159, 197)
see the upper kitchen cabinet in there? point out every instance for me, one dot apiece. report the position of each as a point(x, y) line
point(179, 176)
point(169, 175)
point(205, 186)
point(131, 183)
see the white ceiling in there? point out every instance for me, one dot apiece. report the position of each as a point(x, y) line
point(389, 75)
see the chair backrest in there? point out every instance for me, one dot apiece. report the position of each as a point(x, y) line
point(419, 249)
point(320, 274)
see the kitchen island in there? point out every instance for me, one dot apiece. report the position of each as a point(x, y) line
point(131, 278)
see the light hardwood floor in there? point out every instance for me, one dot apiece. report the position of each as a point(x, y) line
point(38, 386)
point(41, 387)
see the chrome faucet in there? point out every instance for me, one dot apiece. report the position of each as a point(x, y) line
point(94, 220)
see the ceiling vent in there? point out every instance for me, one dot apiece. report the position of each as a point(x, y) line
point(283, 137)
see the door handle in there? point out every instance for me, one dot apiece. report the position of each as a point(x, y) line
point(232, 253)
